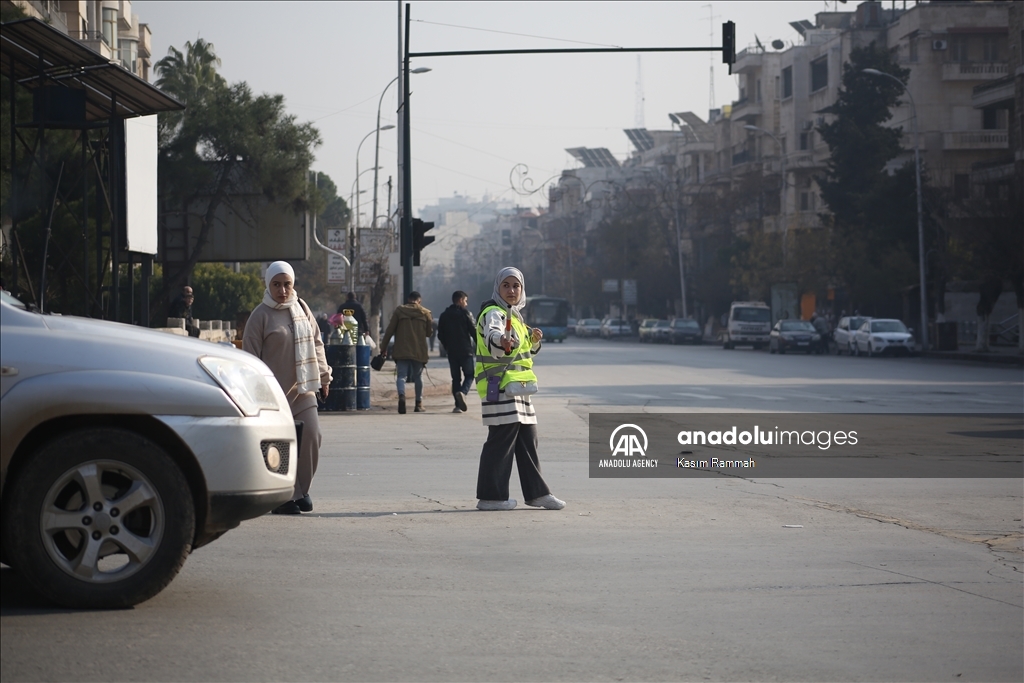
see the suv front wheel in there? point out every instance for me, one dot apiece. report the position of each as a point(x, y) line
point(99, 518)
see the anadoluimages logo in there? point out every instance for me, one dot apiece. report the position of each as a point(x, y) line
point(628, 443)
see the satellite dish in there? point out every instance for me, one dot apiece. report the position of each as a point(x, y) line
point(778, 44)
point(674, 119)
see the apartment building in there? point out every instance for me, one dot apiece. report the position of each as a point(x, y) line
point(106, 26)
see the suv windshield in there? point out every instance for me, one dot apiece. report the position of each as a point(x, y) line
point(752, 315)
point(797, 326)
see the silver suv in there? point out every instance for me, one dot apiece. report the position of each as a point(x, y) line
point(123, 449)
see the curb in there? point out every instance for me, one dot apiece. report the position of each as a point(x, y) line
point(978, 357)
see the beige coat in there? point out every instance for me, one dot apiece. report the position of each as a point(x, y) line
point(269, 335)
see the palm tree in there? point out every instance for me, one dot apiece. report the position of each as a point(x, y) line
point(191, 77)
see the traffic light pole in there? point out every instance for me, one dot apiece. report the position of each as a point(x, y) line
point(406, 225)
point(728, 50)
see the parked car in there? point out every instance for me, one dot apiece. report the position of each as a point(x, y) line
point(685, 331)
point(615, 327)
point(570, 326)
point(588, 327)
point(645, 332)
point(662, 332)
point(123, 449)
point(795, 335)
point(883, 336)
point(845, 329)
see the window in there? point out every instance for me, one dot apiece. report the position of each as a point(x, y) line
point(958, 48)
point(759, 90)
point(787, 82)
point(912, 43)
point(992, 48)
point(110, 27)
point(807, 201)
point(804, 141)
point(819, 74)
point(506, 238)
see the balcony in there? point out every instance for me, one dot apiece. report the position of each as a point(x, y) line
point(974, 71)
point(745, 110)
point(975, 139)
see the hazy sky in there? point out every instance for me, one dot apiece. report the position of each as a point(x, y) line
point(473, 118)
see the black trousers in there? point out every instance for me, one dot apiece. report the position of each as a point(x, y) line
point(504, 442)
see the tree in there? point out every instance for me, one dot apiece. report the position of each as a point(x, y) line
point(873, 212)
point(227, 142)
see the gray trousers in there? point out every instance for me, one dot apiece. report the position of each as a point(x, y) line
point(504, 442)
point(309, 451)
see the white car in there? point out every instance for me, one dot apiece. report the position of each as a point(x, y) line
point(882, 336)
point(588, 327)
point(123, 449)
point(615, 327)
point(845, 329)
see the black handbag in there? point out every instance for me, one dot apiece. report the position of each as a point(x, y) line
point(377, 362)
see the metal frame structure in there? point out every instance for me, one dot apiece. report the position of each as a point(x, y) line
point(38, 57)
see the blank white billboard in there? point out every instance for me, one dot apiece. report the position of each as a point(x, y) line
point(140, 195)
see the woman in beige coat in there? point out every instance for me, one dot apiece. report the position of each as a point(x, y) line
point(283, 333)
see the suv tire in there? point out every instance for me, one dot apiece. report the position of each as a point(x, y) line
point(99, 518)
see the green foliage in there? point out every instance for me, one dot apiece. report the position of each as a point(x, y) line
point(221, 293)
point(227, 142)
point(874, 214)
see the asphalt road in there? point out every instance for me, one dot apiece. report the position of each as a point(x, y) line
point(395, 576)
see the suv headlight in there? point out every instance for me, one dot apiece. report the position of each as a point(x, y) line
point(244, 385)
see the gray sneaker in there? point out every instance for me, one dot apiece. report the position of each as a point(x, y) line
point(547, 502)
point(496, 504)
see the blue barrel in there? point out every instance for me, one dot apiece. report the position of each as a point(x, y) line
point(363, 353)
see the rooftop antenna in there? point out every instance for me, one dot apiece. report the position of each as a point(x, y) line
point(711, 41)
point(638, 114)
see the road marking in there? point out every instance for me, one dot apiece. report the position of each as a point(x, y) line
point(763, 398)
point(645, 396)
point(703, 396)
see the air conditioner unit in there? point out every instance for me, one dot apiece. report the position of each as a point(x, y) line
point(807, 125)
point(939, 44)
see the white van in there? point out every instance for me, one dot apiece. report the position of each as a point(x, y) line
point(750, 322)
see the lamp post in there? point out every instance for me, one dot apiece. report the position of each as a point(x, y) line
point(376, 146)
point(782, 188)
point(920, 215)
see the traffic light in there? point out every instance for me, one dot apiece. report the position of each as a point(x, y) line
point(419, 238)
point(729, 44)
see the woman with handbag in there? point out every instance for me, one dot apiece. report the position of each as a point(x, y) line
point(283, 333)
point(505, 380)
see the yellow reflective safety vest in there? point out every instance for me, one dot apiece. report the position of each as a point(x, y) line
point(515, 367)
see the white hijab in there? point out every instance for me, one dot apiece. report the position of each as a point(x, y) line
point(517, 307)
point(307, 369)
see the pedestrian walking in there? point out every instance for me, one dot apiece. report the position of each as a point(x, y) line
point(457, 333)
point(355, 309)
point(283, 333)
point(410, 325)
point(505, 380)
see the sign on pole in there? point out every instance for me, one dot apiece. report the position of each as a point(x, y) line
point(629, 292)
point(609, 286)
point(335, 266)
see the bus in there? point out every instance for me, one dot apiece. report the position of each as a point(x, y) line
point(550, 314)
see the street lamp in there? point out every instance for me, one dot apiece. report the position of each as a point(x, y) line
point(376, 146)
point(782, 188)
point(920, 216)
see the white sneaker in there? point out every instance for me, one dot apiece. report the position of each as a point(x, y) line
point(548, 502)
point(496, 504)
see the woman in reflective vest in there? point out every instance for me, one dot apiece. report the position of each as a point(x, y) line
point(505, 347)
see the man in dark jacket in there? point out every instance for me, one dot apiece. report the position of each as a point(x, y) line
point(355, 309)
point(181, 307)
point(457, 332)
